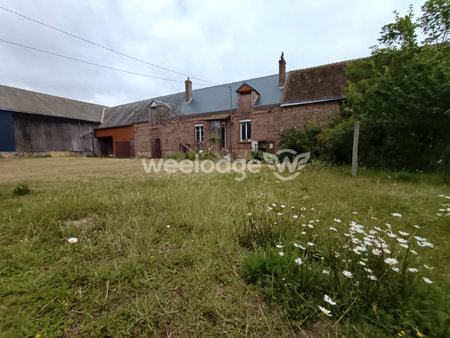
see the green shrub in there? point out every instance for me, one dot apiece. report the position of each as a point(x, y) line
point(21, 189)
point(257, 155)
point(404, 176)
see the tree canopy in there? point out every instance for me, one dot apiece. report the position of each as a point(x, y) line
point(401, 95)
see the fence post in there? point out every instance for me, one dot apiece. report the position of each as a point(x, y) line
point(355, 149)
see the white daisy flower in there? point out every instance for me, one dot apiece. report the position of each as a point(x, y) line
point(396, 214)
point(326, 272)
point(362, 263)
point(413, 270)
point(310, 243)
point(303, 232)
point(416, 226)
point(347, 274)
point(279, 246)
point(391, 261)
point(403, 233)
point(406, 246)
point(283, 206)
point(414, 252)
point(295, 216)
point(281, 253)
point(333, 228)
point(274, 205)
point(354, 212)
point(299, 261)
point(249, 214)
point(328, 300)
point(420, 239)
point(303, 225)
point(426, 244)
point(72, 240)
point(337, 220)
point(428, 267)
point(336, 254)
point(392, 235)
point(387, 251)
point(368, 270)
point(396, 269)
point(325, 311)
point(303, 209)
point(310, 226)
point(427, 280)
point(269, 208)
point(372, 277)
point(356, 251)
point(401, 240)
point(279, 213)
point(167, 226)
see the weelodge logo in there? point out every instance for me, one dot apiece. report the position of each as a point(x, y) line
point(294, 166)
point(240, 167)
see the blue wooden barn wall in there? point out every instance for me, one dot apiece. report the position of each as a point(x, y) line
point(6, 131)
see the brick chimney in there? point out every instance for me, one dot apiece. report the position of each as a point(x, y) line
point(282, 72)
point(188, 89)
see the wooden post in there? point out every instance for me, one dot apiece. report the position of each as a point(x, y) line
point(355, 149)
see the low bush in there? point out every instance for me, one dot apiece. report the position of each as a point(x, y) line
point(21, 189)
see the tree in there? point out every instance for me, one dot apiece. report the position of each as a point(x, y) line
point(401, 95)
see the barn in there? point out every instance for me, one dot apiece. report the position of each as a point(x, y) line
point(33, 123)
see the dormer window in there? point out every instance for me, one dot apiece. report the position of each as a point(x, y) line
point(247, 97)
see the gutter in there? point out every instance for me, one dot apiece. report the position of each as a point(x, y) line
point(298, 103)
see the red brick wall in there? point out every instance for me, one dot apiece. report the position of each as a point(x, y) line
point(174, 133)
point(266, 124)
point(297, 116)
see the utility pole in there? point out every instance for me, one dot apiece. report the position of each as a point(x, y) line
point(355, 149)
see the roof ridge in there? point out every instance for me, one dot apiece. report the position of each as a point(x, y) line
point(330, 64)
point(57, 96)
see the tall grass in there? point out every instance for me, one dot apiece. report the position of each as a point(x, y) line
point(130, 274)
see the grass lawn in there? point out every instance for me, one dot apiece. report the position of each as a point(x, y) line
point(161, 254)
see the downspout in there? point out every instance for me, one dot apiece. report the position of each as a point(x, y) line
point(231, 124)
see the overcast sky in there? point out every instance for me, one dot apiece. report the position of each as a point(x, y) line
point(217, 41)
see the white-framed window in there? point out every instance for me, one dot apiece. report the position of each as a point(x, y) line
point(246, 130)
point(198, 133)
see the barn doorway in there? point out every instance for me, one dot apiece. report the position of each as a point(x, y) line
point(106, 146)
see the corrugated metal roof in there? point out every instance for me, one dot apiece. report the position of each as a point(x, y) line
point(26, 101)
point(204, 100)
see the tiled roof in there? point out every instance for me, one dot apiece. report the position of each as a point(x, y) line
point(316, 83)
point(204, 100)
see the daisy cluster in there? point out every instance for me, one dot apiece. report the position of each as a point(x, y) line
point(358, 249)
point(444, 209)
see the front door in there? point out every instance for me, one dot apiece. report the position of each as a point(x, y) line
point(156, 147)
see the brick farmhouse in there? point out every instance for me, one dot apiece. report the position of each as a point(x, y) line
point(230, 119)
